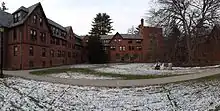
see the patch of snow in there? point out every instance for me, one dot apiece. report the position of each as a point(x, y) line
point(74, 75)
point(20, 94)
point(148, 69)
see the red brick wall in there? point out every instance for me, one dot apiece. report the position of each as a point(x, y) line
point(124, 43)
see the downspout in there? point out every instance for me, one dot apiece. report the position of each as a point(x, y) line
point(20, 34)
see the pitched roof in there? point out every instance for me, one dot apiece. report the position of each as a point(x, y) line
point(29, 10)
point(22, 8)
point(5, 19)
point(124, 36)
point(131, 36)
point(51, 22)
point(68, 28)
point(106, 37)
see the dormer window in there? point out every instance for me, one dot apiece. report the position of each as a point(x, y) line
point(35, 19)
point(17, 17)
point(41, 21)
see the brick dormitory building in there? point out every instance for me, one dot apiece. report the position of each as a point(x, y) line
point(31, 40)
point(144, 46)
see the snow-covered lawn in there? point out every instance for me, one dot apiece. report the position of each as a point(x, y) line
point(20, 94)
point(143, 69)
point(75, 75)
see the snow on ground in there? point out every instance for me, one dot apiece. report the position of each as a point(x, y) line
point(20, 94)
point(143, 69)
point(74, 75)
point(133, 69)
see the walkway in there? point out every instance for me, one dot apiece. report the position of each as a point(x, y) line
point(111, 83)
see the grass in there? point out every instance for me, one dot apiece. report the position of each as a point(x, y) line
point(93, 72)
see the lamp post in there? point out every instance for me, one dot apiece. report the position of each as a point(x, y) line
point(1, 33)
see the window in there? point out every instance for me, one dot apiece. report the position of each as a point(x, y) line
point(129, 48)
point(123, 48)
point(113, 48)
point(52, 41)
point(15, 34)
point(139, 48)
point(63, 43)
point(31, 64)
point(52, 53)
point(63, 54)
point(41, 21)
point(43, 52)
point(43, 37)
point(31, 51)
point(132, 47)
point(138, 41)
point(15, 50)
point(59, 53)
point(119, 40)
point(120, 48)
point(17, 17)
point(35, 19)
point(115, 40)
point(33, 35)
point(87, 41)
point(130, 41)
point(69, 54)
point(57, 42)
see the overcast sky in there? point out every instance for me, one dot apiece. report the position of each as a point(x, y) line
point(80, 13)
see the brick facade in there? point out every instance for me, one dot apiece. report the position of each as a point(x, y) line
point(32, 42)
point(144, 46)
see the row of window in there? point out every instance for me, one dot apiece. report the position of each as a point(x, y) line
point(137, 41)
point(59, 53)
point(129, 42)
point(123, 48)
point(59, 32)
point(31, 63)
point(62, 42)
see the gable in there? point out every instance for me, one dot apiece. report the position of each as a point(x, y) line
point(39, 13)
point(116, 36)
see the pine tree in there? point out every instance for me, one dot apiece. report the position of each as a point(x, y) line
point(96, 54)
point(101, 25)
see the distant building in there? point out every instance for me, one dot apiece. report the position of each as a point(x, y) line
point(144, 46)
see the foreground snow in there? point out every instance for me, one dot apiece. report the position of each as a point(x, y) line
point(144, 69)
point(20, 94)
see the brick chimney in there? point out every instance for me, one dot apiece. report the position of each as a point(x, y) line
point(142, 22)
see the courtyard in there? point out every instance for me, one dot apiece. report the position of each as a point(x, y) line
point(27, 94)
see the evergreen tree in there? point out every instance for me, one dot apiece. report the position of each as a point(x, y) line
point(101, 25)
point(95, 51)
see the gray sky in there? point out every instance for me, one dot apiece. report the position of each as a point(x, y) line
point(80, 13)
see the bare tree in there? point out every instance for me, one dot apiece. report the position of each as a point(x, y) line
point(133, 30)
point(3, 7)
point(194, 18)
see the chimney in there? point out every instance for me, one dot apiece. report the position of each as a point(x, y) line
point(142, 22)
